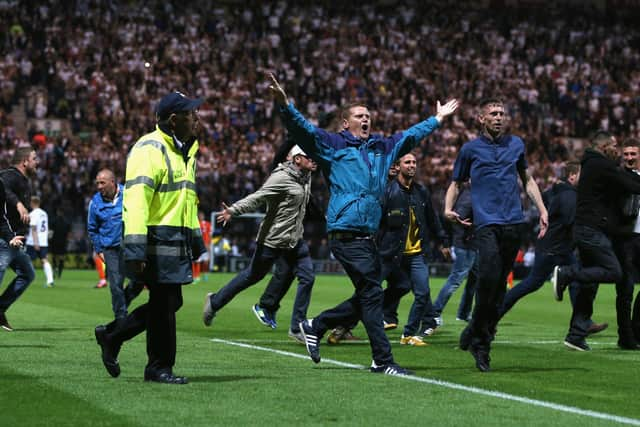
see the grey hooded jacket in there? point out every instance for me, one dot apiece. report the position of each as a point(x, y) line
point(286, 193)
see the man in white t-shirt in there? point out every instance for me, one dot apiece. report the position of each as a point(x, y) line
point(38, 238)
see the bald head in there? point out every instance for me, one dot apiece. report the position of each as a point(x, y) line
point(106, 184)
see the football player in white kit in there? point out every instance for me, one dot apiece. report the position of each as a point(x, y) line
point(38, 238)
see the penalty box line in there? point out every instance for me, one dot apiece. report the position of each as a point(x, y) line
point(453, 386)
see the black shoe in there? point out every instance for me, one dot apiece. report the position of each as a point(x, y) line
point(628, 344)
point(465, 339)
point(109, 351)
point(558, 286)
point(208, 313)
point(390, 369)
point(482, 359)
point(597, 327)
point(4, 323)
point(311, 340)
point(578, 345)
point(165, 378)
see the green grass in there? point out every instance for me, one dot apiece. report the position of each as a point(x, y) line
point(51, 373)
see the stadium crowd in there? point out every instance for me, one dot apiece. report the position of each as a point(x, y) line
point(102, 66)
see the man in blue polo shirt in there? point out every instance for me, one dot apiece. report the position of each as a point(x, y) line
point(492, 162)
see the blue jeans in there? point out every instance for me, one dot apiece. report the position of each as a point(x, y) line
point(114, 261)
point(20, 263)
point(361, 261)
point(411, 274)
point(464, 259)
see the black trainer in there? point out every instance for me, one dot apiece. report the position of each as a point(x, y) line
point(390, 369)
point(578, 345)
point(4, 323)
point(482, 359)
point(109, 351)
point(628, 344)
point(208, 313)
point(558, 286)
point(165, 378)
point(465, 338)
point(311, 340)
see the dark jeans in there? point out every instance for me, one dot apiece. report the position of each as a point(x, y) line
point(18, 260)
point(497, 249)
point(542, 268)
point(628, 252)
point(411, 274)
point(158, 317)
point(286, 269)
point(361, 261)
point(114, 261)
point(598, 264)
point(261, 263)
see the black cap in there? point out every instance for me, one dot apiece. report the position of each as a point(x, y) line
point(176, 102)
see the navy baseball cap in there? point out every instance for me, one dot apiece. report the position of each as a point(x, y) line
point(176, 102)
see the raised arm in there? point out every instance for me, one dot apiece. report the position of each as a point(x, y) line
point(401, 145)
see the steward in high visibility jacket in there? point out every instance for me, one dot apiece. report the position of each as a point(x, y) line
point(161, 236)
point(160, 211)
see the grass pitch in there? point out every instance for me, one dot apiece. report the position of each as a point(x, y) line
point(242, 373)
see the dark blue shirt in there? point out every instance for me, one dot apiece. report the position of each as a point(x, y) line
point(493, 168)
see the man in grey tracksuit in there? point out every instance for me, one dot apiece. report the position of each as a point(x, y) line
point(285, 193)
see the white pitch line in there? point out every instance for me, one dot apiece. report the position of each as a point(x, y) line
point(454, 386)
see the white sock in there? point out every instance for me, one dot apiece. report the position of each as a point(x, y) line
point(48, 272)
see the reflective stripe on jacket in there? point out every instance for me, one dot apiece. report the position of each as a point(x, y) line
point(160, 209)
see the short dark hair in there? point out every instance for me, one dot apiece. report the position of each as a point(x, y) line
point(631, 142)
point(600, 137)
point(488, 101)
point(21, 154)
point(571, 168)
point(345, 110)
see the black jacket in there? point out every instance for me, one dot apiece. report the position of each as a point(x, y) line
point(602, 183)
point(17, 189)
point(561, 206)
point(6, 232)
point(394, 226)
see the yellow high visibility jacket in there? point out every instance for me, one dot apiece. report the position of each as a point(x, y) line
point(159, 209)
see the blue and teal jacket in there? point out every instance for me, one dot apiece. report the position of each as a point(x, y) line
point(355, 169)
point(104, 221)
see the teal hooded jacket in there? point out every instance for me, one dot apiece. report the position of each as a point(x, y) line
point(355, 169)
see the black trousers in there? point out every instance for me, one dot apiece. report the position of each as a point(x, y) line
point(158, 318)
point(289, 265)
point(627, 249)
point(497, 249)
point(598, 264)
